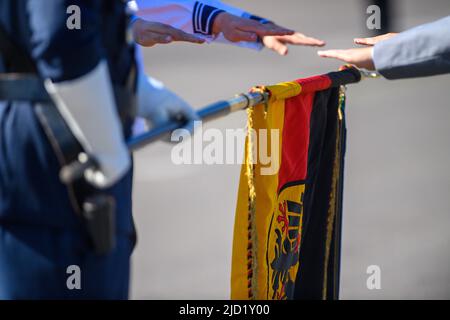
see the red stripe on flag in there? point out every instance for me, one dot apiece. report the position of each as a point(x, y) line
point(295, 139)
point(313, 84)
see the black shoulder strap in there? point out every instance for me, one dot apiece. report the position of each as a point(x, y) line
point(15, 59)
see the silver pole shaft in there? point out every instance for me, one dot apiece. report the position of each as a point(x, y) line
point(208, 113)
point(75, 170)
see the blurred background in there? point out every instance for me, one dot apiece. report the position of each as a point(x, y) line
point(397, 183)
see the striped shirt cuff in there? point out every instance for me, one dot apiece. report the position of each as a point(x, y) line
point(203, 18)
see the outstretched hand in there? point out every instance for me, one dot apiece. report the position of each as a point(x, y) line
point(279, 43)
point(360, 57)
point(148, 34)
point(374, 40)
point(274, 37)
point(237, 29)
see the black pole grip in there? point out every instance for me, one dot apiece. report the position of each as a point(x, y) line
point(346, 76)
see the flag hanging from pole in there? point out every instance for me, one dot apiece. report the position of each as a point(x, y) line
point(287, 226)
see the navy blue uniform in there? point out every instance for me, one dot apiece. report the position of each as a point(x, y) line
point(40, 234)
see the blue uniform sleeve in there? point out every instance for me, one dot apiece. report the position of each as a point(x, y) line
point(62, 53)
point(195, 17)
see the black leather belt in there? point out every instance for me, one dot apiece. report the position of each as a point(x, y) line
point(22, 87)
point(29, 87)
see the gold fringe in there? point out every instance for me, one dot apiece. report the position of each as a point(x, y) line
point(334, 185)
point(252, 234)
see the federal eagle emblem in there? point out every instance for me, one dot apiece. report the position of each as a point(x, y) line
point(284, 243)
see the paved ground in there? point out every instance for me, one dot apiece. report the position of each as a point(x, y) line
point(397, 187)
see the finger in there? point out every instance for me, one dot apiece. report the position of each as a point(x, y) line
point(336, 54)
point(301, 39)
point(278, 47)
point(365, 41)
point(374, 40)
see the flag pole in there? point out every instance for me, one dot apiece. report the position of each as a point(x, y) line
point(239, 102)
point(208, 113)
point(75, 170)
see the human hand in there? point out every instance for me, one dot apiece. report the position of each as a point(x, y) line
point(374, 40)
point(148, 34)
point(237, 29)
point(160, 106)
point(360, 57)
point(279, 43)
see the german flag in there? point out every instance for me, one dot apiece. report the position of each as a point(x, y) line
point(287, 228)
